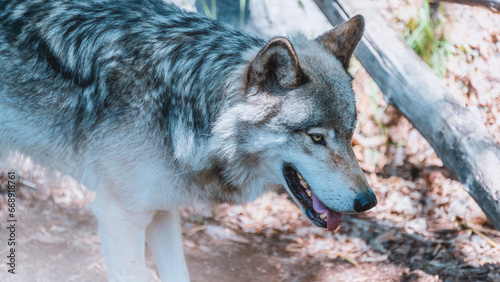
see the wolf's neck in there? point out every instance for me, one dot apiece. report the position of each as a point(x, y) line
point(201, 70)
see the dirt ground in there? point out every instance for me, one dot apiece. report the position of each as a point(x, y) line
point(425, 227)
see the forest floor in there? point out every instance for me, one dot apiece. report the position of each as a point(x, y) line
point(425, 228)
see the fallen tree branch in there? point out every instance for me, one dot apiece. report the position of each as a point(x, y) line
point(456, 132)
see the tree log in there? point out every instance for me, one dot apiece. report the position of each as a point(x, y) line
point(493, 5)
point(456, 132)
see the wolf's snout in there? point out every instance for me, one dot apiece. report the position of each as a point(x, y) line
point(365, 201)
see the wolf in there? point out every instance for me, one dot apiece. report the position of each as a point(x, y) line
point(155, 108)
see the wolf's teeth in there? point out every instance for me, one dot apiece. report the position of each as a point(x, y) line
point(309, 193)
point(304, 183)
point(323, 215)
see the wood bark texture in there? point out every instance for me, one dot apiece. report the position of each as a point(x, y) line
point(493, 5)
point(456, 132)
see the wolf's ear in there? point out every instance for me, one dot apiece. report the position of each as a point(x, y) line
point(276, 66)
point(343, 39)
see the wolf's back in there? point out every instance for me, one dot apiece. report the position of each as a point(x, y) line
point(76, 66)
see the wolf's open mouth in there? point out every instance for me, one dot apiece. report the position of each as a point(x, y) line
point(312, 207)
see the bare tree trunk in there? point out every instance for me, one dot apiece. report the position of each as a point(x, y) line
point(493, 5)
point(456, 132)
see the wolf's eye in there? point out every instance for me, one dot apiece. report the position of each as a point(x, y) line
point(318, 139)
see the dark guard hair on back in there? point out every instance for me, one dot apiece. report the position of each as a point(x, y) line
point(108, 56)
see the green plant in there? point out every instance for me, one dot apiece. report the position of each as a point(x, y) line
point(210, 12)
point(242, 13)
point(426, 37)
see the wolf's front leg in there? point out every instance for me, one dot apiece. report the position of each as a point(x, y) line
point(164, 238)
point(122, 233)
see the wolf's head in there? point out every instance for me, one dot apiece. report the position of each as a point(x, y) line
point(296, 123)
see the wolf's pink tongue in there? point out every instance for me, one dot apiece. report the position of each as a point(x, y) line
point(333, 218)
point(318, 206)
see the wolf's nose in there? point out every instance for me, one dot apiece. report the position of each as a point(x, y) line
point(365, 201)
